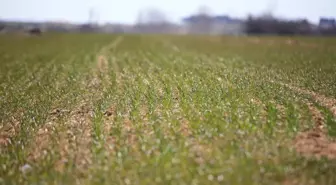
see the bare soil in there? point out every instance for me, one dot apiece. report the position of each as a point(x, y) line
point(315, 142)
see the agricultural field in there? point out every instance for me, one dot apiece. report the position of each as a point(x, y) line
point(153, 109)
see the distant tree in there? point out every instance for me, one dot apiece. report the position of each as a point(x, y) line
point(2, 27)
point(201, 22)
point(204, 10)
point(152, 20)
point(152, 16)
point(35, 31)
point(271, 25)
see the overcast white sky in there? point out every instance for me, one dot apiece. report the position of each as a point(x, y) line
point(126, 11)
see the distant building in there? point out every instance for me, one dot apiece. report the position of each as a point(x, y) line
point(226, 25)
point(89, 28)
point(159, 28)
point(327, 26)
point(326, 23)
point(206, 24)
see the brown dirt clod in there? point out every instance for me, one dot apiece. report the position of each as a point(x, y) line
point(315, 142)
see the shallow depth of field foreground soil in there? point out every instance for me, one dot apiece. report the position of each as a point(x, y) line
point(132, 109)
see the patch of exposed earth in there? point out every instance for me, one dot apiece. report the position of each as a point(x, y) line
point(315, 142)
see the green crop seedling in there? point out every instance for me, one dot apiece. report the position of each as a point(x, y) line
point(149, 109)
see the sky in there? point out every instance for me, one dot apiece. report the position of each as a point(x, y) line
point(126, 11)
